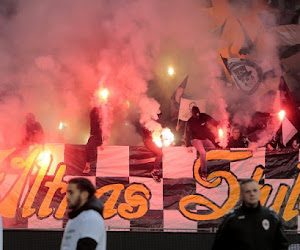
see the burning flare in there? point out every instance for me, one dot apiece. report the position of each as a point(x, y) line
point(221, 133)
point(281, 115)
point(163, 138)
point(167, 137)
point(62, 125)
point(103, 95)
point(44, 159)
point(171, 71)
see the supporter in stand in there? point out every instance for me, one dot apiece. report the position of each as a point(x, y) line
point(156, 172)
point(276, 143)
point(294, 142)
point(199, 133)
point(95, 141)
point(236, 140)
point(32, 131)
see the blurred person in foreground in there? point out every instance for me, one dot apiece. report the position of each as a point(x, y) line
point(85, 229)
point(1, 234)
point(251, 226)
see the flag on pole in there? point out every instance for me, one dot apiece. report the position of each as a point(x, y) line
point(246, 74)
point(291, 121)
point(219, 30)
point(175, 99)
point(186, 105)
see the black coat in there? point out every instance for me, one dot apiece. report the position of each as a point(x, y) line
point(198, 128)
point(251, 228)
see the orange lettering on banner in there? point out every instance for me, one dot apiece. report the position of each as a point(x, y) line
point(278, 201)
point(125, 210)
point(290, 210)
point(27, 207)
point(109, 206)
point(137, 196)
point(214, 180)
point(9, 203)
point(53, 186)
point(215, 211)
point(265, 190)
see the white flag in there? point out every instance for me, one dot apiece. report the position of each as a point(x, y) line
point(288, 131)
point(186, 105)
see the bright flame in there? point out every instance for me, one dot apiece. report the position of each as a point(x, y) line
point(156, 138)
point(281, 115)
point(103, 95)
point(44, 158)
point(171, 71)
point(128, 104)
point(221, 133)
point(165, 138)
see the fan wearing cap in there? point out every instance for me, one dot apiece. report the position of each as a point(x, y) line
point(198, 133)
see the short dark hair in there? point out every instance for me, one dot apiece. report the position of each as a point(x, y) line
point(245, 181)
point(84, 184)
point(195, 109)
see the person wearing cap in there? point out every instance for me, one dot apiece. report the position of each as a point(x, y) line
point(199, 134)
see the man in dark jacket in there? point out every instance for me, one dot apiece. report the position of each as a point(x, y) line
point(85, 228)
point(236, 140)
point(251, 226)
point(32, 132)
point(94, 141)
point(199, 132)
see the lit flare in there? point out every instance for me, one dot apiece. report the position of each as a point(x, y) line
point(62, 125)
point(163, 138)
point(44, 159)
point(281, 115)
point(221, 133)
point(171, 71)
point(103, 95)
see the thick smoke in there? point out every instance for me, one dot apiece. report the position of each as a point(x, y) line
point(56, 55)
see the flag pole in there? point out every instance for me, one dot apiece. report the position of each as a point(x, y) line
point(177, 124)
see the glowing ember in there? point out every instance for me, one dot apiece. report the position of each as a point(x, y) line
point(103, 95)
point(165, 138)
point(62, 125)
point(157, 139)
point(221, 133)
point(281, 115)
point(44, 158)
point(171, 71)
